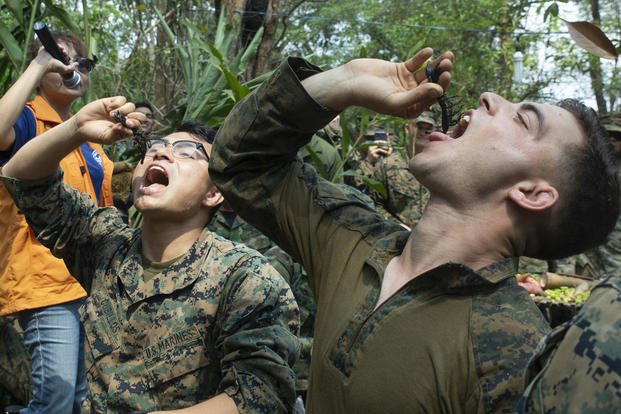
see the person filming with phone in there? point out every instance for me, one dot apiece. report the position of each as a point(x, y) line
point(381, 147)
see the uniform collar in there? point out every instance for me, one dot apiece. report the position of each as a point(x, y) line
point(449, 276)
point(177, 276)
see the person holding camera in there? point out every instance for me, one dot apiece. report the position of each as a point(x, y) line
point(34, 285)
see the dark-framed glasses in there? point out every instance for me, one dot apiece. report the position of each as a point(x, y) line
point(85, 65)
point(181, 149)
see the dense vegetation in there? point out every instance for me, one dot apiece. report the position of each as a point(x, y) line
point(192, 61)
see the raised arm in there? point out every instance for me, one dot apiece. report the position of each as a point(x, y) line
point(13, 101)
point(40, 157)
point(63, 219)
point(254, 155)
point(398, 89)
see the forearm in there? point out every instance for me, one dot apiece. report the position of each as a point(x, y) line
point(13, 101)
point(258, 143)
point(331, 88)
point(220, 404)
point(40, 157)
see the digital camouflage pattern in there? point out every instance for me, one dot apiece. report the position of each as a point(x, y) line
point(450, 340)
point(219, 319)
point(232, 227)
point(405, 197)
point(361, 168)
point(297, 279)
point(577, 368)
point(320, 151)
point(15, 378)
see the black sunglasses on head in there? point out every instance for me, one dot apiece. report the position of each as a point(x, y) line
point(85, 65)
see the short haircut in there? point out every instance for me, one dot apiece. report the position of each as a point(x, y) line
point(65, 37)
point(144, 104)
point(591, 206)
point(198, 130)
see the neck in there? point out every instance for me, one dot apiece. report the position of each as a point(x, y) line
point(475, 238)
point(163, 241)
point(63, 109)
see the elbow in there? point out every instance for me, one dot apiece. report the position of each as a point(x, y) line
point(7, 138)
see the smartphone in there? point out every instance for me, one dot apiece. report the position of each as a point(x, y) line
point(380, 135)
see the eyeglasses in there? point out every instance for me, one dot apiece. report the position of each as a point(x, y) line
point(148, 115)
point(85, 65)
point(181, 149)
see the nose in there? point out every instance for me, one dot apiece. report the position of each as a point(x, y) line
point(164, 152)
point(492, 102)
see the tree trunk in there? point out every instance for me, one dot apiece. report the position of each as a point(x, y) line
point(262, 63)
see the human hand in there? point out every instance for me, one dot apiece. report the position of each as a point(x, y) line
point(96, 121)
point(50, 64)
point(381, 149)
point(529, 283)
point(398, 89)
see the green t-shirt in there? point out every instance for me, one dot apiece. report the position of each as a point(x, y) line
point(153, 268)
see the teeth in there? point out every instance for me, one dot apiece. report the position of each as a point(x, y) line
point(465, 120)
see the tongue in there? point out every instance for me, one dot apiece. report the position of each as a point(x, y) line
point(157, 177)
point(438, 136)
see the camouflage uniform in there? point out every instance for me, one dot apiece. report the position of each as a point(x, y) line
point(295, 275)
point(331, 168)
point(238, 230)
point(218, 319)
point(450, 340)
point(577, 368)
point(15, 375)
point(606, 259)
point(362, 169)
point(405, 197)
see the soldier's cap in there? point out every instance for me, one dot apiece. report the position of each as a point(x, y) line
point(426, 117)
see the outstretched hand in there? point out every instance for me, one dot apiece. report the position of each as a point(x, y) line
point(95, 122)
point(392, 88)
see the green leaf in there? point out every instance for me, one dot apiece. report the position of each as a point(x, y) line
point(62, 15)
point(375, 186)
point(319, 166)
point(16, 9)
point(552, 11)
point(12, 47)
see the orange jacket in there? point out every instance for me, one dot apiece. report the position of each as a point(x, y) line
point(30, 276)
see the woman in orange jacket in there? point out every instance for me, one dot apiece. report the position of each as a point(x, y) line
point(34, 285)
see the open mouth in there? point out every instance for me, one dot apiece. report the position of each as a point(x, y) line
point(461, 127)
point(155, 175)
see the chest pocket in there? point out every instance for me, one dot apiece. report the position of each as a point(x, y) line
point(181, 368)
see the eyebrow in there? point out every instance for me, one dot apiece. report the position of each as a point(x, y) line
point(532, 108)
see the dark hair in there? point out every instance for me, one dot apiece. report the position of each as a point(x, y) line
point(65, 37)
point(591, 205)
point(143, 104)
point(199, 130)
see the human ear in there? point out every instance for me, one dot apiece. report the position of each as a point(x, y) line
point(212, 197)
point(534, 195)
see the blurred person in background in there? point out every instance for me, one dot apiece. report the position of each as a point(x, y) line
point(34, 285)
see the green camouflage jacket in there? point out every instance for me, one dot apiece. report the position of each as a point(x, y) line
point(450, 340)
point(405, 197)
point(295, 275)
point(238, 230)
point(219, 319)
point(577, 368)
